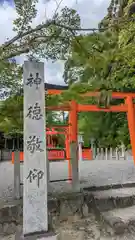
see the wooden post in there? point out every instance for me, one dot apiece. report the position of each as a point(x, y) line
point(17, 194)
point(35, 209)
point(131, 123)
point(74, 145)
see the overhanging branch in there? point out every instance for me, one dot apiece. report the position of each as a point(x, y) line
point(21, 35)
point(40, 27)
point(37, 40)
point(53, 22)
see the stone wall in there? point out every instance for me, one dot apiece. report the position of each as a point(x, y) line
point(72, 215)
point(6, 155)
point(61, 208)
point(10, 217)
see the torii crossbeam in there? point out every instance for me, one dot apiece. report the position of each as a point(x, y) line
point(73, 107)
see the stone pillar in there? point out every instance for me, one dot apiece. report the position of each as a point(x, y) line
point(106, 153)
point(80, 142)
point(80, 151)
point(94, 153)
point(102, 153)
point(92, 148)
point(17, 194)
point(98, 154)
point(123, 152)
point(74, 166)
point(35, 209)
point(48, 173)
point(117, 154)
point(111, 154)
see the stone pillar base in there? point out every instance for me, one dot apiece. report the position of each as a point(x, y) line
point(42, 236)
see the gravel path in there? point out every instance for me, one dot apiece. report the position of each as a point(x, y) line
point(92, 173)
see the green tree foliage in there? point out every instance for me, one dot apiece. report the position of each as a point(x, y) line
point(105, 61)
point(11, 116)
point(50, 39)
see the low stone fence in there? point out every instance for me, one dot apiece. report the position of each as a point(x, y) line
point(112, 154)
point(98, 154)
point(5, 155)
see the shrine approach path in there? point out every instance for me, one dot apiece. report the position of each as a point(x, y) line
point(92, 173)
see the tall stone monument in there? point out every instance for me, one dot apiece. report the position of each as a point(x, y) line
point(35, 211)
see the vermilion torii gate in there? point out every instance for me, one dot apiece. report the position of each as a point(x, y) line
point(73, 107)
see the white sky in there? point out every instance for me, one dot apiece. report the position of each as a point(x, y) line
point(91, 12)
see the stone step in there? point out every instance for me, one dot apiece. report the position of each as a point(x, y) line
point(120, 221)
point(113, 198)
point(115, 209)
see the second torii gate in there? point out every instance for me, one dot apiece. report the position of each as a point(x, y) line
point(73, 107)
